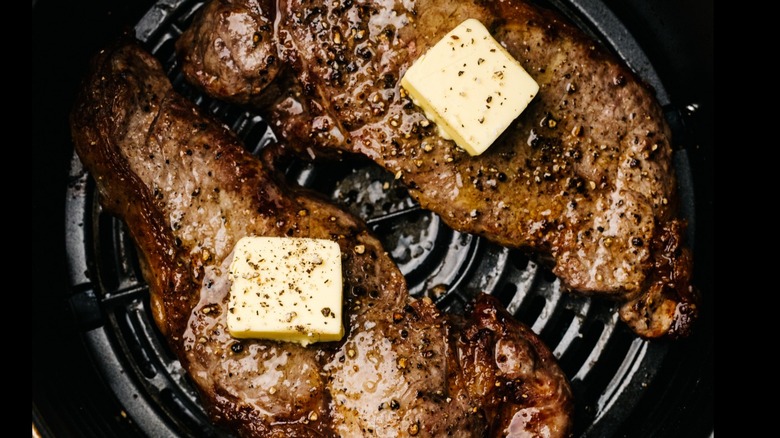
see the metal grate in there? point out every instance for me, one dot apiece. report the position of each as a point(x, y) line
point(609, 366)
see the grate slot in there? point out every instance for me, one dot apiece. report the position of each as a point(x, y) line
point(200, 427)
point(505, 293)
point(580, 355)
point(555, 327)
point(121, 297)
point(455, 302)
point(108, 272)
point(552, 296)
point(531, 308)
point(133, 340)
point(579, 307)
point(489, 270)
point(165, 50)
point(524, 283)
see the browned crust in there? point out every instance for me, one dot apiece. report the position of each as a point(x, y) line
point(158, 161)
point(583, 180)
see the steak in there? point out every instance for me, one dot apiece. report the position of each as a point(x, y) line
point(582, 180)
point(188, 190)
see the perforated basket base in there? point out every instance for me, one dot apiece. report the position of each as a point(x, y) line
point(624, 386)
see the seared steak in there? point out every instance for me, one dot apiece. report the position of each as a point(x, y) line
point(188, 191)
point(583, 179)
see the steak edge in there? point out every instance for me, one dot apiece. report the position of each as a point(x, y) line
point(583, 180)
point(188, 190)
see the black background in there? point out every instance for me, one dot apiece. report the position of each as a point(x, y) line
point(69, 398)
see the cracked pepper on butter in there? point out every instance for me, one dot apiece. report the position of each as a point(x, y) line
point(469, 86)
point(286, 289)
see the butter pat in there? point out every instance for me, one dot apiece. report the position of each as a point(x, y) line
point(286, 289)
point(470, 86)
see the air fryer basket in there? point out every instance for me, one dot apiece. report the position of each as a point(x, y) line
point(624, 386)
